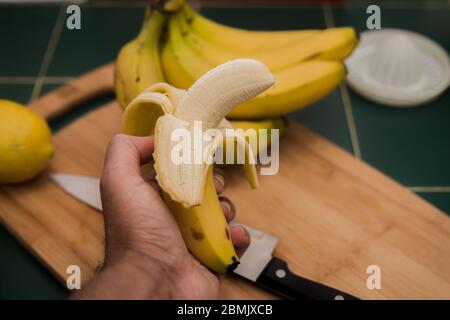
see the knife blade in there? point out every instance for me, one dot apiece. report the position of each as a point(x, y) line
point(83, 188)
point(257, 264)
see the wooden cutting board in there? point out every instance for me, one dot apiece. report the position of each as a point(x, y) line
point(334, 215)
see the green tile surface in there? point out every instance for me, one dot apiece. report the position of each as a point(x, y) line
point(17, 92)
point(24, 34)
point(103, 32)
point(255, 18)
point(432, 21)
point(439, 199)
point(327, 118)
point(412, 146)
point(21, 275)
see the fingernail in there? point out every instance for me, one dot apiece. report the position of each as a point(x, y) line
point(219, 172)
point(220, 182)
point(245, 232)
point(231, 208)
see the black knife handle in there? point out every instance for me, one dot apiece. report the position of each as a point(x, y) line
point(278, 278)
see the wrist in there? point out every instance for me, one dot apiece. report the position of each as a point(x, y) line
point(131, 277)
point(144, 277)
point(159, 279)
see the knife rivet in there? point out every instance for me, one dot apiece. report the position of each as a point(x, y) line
point(280, 273)
point(339, 297)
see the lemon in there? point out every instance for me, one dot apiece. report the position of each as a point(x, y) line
point(25, 143)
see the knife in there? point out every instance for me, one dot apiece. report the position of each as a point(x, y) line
point(257, 264)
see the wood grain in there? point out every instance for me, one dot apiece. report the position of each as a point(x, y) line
point(334, 216)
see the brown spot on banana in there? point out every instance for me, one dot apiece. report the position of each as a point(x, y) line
point(197, 235)
point(313, 56)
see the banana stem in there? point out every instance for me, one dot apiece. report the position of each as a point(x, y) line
point(166, 5)
point(150, 34)
point(152, 25)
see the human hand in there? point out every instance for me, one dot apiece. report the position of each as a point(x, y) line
point(145, 255)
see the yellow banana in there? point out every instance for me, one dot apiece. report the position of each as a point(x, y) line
point(205, 230)
point(188, 186)
point(138, 63)
point(241, 40)
point(173, 70)
point(258, 128)
point(330, 44)
point(297, 86)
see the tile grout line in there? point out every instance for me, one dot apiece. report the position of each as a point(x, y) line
point(32, 80)
point(17, 80)
point(56, 80)
point(328, 15)
point(54, 38)
point(349, 118)
point(430, 189)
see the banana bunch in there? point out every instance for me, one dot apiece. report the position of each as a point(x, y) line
point(306, 64)
point(188, 185)
point(178, 45)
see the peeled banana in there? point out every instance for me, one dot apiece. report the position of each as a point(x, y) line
point(177, 72)
point(188, 186)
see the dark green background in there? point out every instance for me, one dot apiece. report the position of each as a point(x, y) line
point(410, 145)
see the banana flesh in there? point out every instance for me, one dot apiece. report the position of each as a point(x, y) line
point(208, 100)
